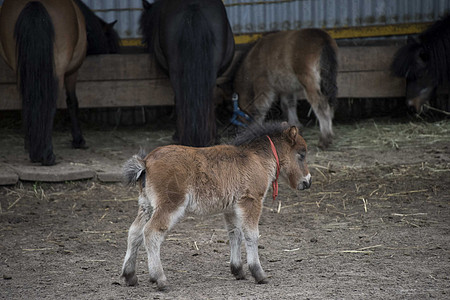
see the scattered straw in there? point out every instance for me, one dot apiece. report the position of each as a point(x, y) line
point(291, 250)
point(104, 215)
point(279, 207)
point(370, 247)
point(406, 192)
point(365, 202)
point(407, 215)
point(356, 251)
point(14, 203)
point(438, 110)
point(39, 249)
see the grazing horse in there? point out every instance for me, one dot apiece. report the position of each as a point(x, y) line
point(282, 64)
point(45, 48)
point(192, 41)
point(425, 63)
point(233, 179)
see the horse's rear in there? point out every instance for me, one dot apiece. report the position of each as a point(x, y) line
point(42, 41)
point(193, 42)
point(280, 66)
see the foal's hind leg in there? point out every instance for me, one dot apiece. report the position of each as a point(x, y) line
point(324, 113)
point(135, 238)
point(261, 104)
point(289, 107)
point(155, 230)
point(72, 106)
point(235, 235)
point(250, 210)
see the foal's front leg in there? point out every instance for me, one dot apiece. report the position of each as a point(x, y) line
point(235, 236)
point(250, 210)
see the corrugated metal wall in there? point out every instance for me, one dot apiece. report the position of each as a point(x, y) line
point(256, 16)
point(126, 12)
point(250, 16)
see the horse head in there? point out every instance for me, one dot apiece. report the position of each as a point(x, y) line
point(111, 35)
point(412, 63)
point(420, 82)
point(424, 63)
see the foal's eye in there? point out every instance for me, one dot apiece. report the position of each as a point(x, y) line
point(301, 156)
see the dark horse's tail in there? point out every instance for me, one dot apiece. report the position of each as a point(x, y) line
point(196, 79)
point(328, 73)
point(34, 33)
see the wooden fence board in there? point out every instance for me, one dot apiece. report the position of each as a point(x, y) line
point(136, 80)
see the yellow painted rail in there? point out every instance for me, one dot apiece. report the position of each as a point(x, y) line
point(337, 33)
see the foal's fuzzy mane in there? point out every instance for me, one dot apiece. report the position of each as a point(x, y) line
point(257, 131)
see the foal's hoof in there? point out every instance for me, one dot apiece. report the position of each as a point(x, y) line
point(324, 143)
point(130, 280)
point(162, 285)
point(238, 272)
point(262, 281)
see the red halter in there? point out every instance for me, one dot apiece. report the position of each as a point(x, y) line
point(275, 182)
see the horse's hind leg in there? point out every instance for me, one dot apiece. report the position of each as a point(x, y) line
point(135, 238)
point(70, 82)
point(250, 210)
point(235, 235)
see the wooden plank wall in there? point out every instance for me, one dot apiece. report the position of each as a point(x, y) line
point(135, 80)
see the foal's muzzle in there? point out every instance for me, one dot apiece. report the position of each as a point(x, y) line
point(306, 183)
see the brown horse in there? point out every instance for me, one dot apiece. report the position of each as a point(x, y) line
point(45, 43)
point(233, 179)
point(281, 65)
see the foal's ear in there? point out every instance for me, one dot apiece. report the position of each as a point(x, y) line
point(292, 134)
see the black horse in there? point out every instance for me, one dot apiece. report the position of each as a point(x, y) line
point(193, 42)
point(101, 36)
point(425, 63)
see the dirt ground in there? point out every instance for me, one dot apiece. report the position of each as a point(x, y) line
point(374, 225)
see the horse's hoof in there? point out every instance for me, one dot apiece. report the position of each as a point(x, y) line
point(50, 160)
point(79, 144)
point(176, 138)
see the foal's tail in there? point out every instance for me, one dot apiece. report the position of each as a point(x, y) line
point(328, 72)
point(134, 169)
point(195, 80)
point(38, 85)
